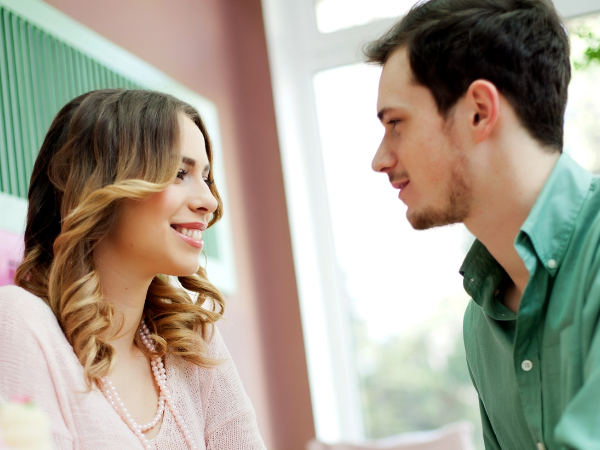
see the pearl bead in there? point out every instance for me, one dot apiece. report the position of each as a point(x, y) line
point(164, 398)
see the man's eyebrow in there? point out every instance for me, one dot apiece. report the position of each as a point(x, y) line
point(392, 110)
point(189, 161)
point(382, 112)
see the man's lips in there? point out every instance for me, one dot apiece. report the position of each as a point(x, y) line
point(400, 184)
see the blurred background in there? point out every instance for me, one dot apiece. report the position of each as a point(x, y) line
point(344, 322)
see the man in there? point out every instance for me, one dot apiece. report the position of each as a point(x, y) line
point(472, 97)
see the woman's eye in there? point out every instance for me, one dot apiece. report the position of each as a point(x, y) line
point(182, 173)
point(208, 182)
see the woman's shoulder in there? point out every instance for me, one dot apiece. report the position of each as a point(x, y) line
point(216, 351)
point(16, 298)
point(216, 345)
point(19, 305)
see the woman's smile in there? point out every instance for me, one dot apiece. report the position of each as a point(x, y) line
point(190, 233)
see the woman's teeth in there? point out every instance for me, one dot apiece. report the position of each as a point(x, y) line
point(194, 234)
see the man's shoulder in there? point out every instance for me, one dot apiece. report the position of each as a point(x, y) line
point(472, 318)
point(591, 208)
point(586, 233)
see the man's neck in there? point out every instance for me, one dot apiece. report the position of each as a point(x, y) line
point(504, 196)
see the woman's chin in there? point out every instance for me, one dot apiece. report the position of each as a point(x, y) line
point(183, 270)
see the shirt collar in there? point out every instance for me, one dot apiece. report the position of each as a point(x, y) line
point(551, 221)
point(549, 227)
point(482, 278)
point(476, 267)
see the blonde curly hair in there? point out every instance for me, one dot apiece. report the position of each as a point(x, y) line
point(103, 147)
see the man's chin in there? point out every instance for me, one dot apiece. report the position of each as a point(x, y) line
point(425, 220)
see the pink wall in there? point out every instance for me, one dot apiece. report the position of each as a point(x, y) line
point(218, 48)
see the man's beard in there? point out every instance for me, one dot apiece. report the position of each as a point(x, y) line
point(456, 208)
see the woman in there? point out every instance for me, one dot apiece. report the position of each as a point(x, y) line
point(111, 329)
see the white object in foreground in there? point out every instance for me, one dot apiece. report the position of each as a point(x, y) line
point(24, 426)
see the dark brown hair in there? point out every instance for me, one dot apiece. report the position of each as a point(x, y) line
point(518, 45)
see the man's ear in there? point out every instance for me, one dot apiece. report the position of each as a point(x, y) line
point(483, 102)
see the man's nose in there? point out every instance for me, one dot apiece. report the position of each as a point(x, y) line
point(383, 161)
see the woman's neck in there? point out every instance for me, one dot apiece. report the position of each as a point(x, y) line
point(126, 289)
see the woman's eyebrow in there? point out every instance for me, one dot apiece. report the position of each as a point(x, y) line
point(192, 163)
point(189, 161)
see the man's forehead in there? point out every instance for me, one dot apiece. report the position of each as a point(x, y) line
point(397, 85)
point(398, 63)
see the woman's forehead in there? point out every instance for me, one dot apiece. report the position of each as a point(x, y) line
point(192, 144)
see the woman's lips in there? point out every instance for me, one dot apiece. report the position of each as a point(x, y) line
point(192, 236)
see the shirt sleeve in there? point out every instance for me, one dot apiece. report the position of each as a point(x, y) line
point(579, 427)
point(489, 437)
point(230, 418)
point(24, 370)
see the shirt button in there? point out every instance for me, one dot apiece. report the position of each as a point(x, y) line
point(551, 264)
point(540, 446)
point(526, 365)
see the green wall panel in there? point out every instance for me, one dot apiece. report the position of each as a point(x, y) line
point(38, 75)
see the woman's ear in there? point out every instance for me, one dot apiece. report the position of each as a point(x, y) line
point(483, 100)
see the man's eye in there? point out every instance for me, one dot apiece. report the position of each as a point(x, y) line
point(182, 173)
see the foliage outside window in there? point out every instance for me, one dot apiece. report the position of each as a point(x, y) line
point(582, 133)
point(591, 38)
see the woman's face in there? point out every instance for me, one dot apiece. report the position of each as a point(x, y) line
point(163, 233)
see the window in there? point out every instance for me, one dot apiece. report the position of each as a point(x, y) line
point(334, 15)
point(403, 289)
point(582, 134)
point(383, 336)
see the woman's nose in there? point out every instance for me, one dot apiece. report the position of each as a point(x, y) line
point(204, 200)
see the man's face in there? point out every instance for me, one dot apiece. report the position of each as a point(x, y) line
point(420, 151)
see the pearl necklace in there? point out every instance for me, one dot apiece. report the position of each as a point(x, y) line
point(164, 398)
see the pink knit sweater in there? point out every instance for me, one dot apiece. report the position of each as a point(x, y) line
point(37, 361)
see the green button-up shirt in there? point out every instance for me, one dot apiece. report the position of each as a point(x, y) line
point(537, 372)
